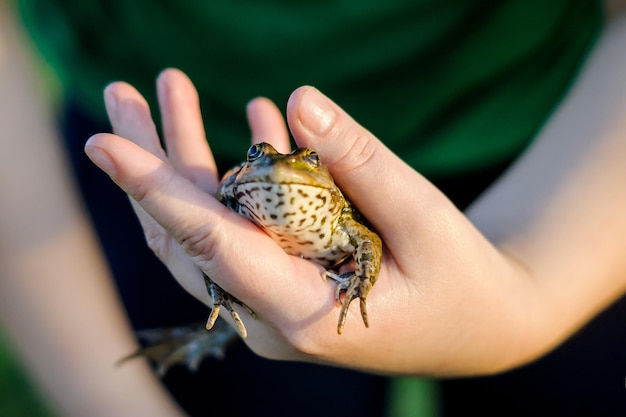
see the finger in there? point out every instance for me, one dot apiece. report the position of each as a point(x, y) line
point(130, 117)
point(205, 229)
point(237, 255)
point(360, 164)
point(185, 141)
point(267, 124)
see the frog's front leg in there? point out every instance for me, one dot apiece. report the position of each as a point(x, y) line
point(367, 256)
point(220, 298)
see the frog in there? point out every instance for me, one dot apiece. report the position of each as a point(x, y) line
point(293, 198)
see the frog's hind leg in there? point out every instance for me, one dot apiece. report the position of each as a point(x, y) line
point(354, 286)
point(188, 345)
point(220, 298)
point(367, 256)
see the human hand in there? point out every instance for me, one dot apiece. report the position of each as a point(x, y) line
point(436, 306)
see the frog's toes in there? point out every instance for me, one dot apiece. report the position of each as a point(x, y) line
point(222, 298)
point(352, 286)
point(187, 345)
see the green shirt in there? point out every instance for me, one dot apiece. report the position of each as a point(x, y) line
point(449, 85)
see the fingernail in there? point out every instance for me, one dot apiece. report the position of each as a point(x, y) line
point(100, 157)
point(110, 102)
point(162, 88)
point(317, 113)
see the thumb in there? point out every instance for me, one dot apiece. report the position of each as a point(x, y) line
point(319, 123)
point(389, 193)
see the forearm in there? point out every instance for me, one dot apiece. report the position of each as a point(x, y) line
point(559, 212)
point(57, 302)
point(58, 307)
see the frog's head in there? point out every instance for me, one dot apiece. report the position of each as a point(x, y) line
point(264, 164)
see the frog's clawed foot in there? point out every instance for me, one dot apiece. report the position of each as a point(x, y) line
point(353, 286)
point(222, 298)
point(191, 344)
point(187, 345)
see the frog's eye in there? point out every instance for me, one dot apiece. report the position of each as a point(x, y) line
point(255, 152)
point(313, 159)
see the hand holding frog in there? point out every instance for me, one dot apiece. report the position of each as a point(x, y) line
point(434, 256)
point(446, 301)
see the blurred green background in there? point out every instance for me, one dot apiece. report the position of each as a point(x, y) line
point(18, 396)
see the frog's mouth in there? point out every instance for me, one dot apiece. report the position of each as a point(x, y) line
point(284, 173)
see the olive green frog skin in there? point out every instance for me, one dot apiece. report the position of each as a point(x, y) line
point(294, 199)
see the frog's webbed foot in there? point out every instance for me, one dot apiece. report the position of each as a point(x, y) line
point(354, 286)
point(222, 298)
point(187, 345)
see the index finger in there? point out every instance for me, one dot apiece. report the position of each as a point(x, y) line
point(206, 229)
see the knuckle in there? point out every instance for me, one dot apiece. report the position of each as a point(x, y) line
point(145, 189)
point(198, 242)
point(157, 238)
point(357, 155)
point(159, 243)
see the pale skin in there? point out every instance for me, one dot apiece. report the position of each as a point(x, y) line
point(535, 258)
point(546, 254)
point(57, 301)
